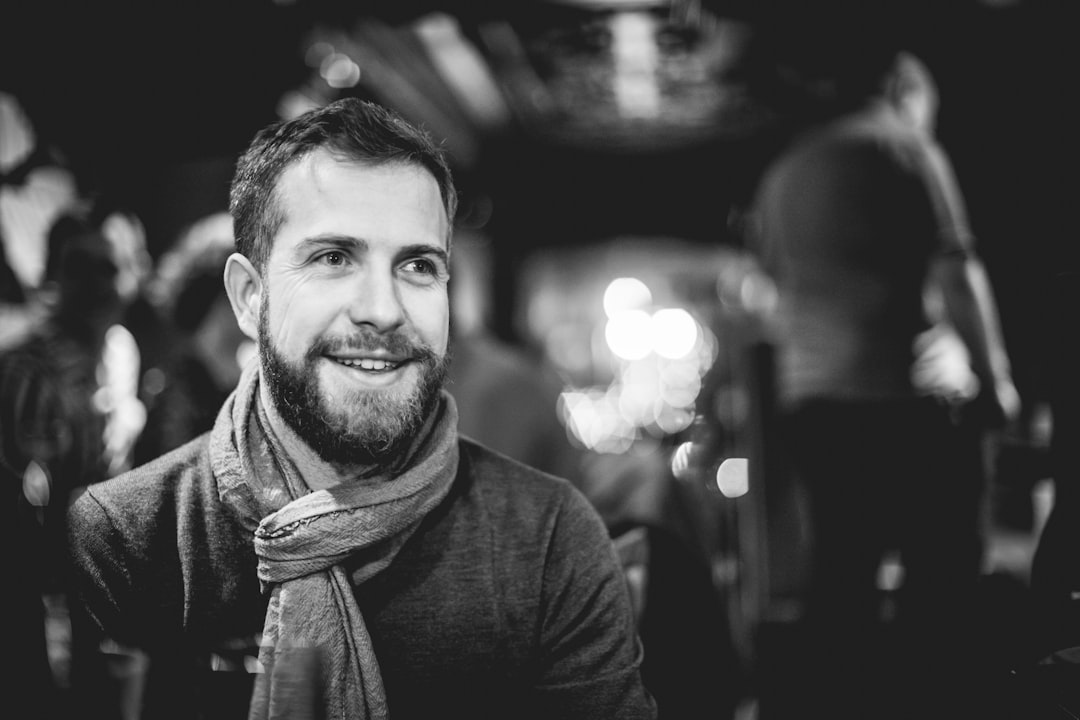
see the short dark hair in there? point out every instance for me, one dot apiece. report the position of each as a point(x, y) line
point(350, 128)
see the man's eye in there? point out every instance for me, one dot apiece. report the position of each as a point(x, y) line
point(420, 265)
point(334, 258)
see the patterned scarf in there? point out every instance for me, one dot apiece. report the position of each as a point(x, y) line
point(314, 631)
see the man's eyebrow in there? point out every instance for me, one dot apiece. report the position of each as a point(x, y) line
point(332, 239)
point(425, 249)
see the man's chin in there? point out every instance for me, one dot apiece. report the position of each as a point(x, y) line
point(369, 434)
point(372, 418)
point(359, 422)
point(347, 396)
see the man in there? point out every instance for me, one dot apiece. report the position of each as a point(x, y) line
point(385, 566)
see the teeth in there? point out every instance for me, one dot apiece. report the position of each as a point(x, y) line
point(368, 364)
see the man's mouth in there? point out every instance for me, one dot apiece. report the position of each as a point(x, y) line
point(372, 364)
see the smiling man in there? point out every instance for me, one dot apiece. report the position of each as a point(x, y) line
point(333, 524)
point(354, 346)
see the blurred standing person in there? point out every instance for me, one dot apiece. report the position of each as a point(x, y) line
point(333, 518)
point(861, 224)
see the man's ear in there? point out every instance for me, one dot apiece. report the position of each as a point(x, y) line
point(244, 286)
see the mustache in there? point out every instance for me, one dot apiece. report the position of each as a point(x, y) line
point(369, 341)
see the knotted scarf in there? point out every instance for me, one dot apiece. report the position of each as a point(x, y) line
point(314, 631)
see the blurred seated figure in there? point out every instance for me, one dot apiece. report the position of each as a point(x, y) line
point(69, 416)
point(70, 384)
point(507, 398)
point(184, 389)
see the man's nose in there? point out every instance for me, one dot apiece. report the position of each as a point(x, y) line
point(376, 301)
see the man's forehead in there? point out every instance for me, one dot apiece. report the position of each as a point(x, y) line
point(344, 185)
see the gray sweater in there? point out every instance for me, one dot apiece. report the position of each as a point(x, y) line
point(509, 602)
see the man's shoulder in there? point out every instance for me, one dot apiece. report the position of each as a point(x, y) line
point(159, 485)
point(489, 466)
point(512, 489)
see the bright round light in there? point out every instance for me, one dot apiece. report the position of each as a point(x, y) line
point(629, 334)
point(674, 333)
point(733, 477)
point(626, 293)
point(340, 71)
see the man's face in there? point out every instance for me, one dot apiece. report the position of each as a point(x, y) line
point(354, 316)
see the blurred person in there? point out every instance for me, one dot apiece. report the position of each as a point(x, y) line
point(68, 417)
point(890, 370)
point(36, 185)
point(507, 396)
point(508, 399)
point(132, 339)
point(333, 517)
point(185, 386)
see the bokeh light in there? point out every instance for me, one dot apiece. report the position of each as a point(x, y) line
point(626, 293)
point(674, 332)
point(629, 334)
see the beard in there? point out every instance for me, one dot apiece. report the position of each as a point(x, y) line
point(366, 427)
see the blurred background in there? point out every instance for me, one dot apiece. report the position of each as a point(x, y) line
point(604, 150)
point(570, 121)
